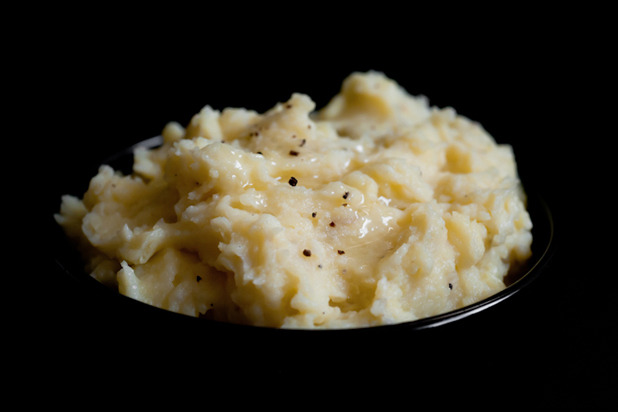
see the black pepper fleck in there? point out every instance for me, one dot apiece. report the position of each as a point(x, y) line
point(293, 181)
point(302, 142)
point(314, 214)
point(307, 252)
point(346, 194)
point(332, 224)
point(198, 278)
point(450, 286)
point(341, 252)
point(293, 153)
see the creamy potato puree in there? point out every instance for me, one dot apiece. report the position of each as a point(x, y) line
point(376, 209)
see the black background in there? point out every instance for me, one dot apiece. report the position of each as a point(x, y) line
point(111, 78)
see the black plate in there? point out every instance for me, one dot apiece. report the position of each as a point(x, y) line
point(72, 265)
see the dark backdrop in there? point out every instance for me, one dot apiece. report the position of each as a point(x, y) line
point(109, 83)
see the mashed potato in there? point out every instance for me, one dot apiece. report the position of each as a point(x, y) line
point(376, 209)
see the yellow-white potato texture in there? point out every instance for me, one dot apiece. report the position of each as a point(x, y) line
point(376, 209)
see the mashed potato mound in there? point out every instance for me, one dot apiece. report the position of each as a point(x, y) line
point(376, 209)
